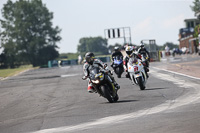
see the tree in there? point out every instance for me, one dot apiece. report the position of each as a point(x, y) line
point(170, 45)
point(28, 33)
point(2, 60)
point(196, 8)
point(93, 44)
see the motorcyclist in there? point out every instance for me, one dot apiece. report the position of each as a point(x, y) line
point(143, 51)
point(129, 54)
point(91, 62)
point(115, 53)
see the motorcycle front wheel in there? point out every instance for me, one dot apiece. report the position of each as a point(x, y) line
point(140, 83)
point(118, 72)
point(106, 94)
point(116, 98)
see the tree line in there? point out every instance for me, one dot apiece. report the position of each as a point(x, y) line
point(27, 35)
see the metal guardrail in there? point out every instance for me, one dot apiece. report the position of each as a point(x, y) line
point(60, 63)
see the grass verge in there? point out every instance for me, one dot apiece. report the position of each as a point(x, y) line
point(11, 72)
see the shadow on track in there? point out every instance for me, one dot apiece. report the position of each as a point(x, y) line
point(126, 101)
point(121, 101)
point(154, 89)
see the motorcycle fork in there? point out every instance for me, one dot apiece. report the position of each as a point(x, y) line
point(132, 78)
point(97, 89)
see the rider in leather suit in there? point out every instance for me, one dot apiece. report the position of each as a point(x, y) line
point(89, 63)
point(143, 51)
point(115, 53)
point(129, 54)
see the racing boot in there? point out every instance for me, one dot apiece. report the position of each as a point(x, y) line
point(127, 75)
point(147, 75)
point(90, 88)
point(147, 69)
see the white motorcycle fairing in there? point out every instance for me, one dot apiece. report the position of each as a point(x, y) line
point(137, 72)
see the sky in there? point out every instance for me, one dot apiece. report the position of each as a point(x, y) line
point(147, 19)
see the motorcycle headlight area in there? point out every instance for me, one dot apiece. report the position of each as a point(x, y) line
point(95, 81)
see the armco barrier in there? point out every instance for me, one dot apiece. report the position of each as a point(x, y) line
point(55, 63)
point(52, 63)
point(104, 59)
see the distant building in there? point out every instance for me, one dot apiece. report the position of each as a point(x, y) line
point(186, 37)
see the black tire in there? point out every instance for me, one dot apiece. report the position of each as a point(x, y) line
point(116, 98)
point(106, 94)
point(119, 76)
point(119, 72)
point(139, 80)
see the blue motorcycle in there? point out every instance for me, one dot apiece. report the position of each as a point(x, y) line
point(118, 66)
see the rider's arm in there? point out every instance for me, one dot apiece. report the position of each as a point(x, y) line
point(85, 69)
point(147, 53)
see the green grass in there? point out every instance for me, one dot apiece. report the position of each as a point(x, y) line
point(11, 72)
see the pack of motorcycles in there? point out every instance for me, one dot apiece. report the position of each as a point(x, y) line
point(103, 85)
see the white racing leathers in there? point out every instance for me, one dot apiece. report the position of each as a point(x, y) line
point(137, 72)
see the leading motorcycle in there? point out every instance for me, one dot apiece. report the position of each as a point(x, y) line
point(137, 72)
point(102, 84)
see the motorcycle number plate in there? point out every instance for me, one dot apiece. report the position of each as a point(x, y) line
point(135, 68)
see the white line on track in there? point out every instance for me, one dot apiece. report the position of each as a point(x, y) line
point(176, 73)
point(191, 96)
point(69, 75)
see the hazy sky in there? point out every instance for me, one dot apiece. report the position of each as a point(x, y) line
point(148, 19)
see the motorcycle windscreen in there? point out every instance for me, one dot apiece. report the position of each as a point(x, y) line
point(132, 65)
point(118, 60)
point(94, 71)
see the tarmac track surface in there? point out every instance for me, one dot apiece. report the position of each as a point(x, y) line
point(55, 100)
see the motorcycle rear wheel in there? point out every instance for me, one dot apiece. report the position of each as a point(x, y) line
point(119, 72)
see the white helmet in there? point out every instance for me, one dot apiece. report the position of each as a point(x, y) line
point(129, 50)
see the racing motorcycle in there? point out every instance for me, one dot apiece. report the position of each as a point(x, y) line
point(118, 66)
point(137, 72)
point(102, 84)
point(145, 59)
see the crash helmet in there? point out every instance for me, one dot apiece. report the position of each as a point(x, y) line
point(89, 57)
point(129, 50)
point(142, 45)
point(116, 48)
